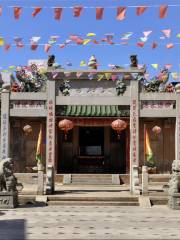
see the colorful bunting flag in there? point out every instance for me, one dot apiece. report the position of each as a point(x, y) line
point(99, 13)
point(174, 75)
point(121, 13)
point(47, 47)
point(79, 41)
point(62, 45)
point(143, 39)
point(163, 11)
point(95, 41)
point(36, 11)
point(91, 34)
point(86, 41)
point(7, 47)
point(178, 35)
point(109, 36)
point(147, 33)
point(100, 77)
point(1, 41)
point(154, 65)
point(34, 42)
point(140, 44)
point(83, 64)
point(167, 32)
point(140, 10)
point(169, 45)
point(57, 13)
point(17, 12)
point(0, 10)
point(18, 42)
point(154, 45)
point(77, 11)
point(53, 40)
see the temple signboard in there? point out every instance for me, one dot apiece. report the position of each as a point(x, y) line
point(27, 104)
point(158, 104)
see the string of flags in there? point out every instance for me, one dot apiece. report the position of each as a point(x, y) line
point(91, 38)
point(99, 11)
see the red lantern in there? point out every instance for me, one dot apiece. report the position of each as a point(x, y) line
point(66, 125)
point(156, 130)
point(118, 125)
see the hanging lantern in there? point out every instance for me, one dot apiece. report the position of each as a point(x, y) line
point(27, 129)
point(118, 125)
point(66, 125)
point(156, 130)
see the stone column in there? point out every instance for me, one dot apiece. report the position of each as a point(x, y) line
point(50, 137)
point(5, 127)
point(177, 131)
point(134, 136)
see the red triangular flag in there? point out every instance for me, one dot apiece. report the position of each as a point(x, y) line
point(0, 10)
point(121, 11)
point(79, 41)
point(34, 46)
point(36, 11)
point(77, 11)
point(154, 45)
point(17, 12)
point(140, 44)
point(99, 13)
point(169, 45)
point(140, 10)
point(163, 11)
point(95, 41)
point(47, 47)
point(7, 47)
point(57, 13)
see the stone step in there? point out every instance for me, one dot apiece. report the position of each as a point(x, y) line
point(91, 179)
point(159, 200)
point(93, 198)
point(157, 183)
point(91, 203)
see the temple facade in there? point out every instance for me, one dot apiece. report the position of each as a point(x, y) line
point(91, 101)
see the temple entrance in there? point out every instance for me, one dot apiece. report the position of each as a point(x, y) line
point(93, 149)
point(91, 157)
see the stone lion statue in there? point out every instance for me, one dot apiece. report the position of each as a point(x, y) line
point(174, 183)
point(8, 181)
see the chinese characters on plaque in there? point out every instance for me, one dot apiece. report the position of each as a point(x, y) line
point(28, 104)
point(158, 104)
point(51, 125)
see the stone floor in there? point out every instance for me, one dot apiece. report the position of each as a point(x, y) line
point(89, 222)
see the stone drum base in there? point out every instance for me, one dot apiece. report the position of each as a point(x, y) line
point(174, 201)
point(8, 200)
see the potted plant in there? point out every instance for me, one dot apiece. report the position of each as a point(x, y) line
point(150, 163)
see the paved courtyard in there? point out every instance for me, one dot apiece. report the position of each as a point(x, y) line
point(89, 222)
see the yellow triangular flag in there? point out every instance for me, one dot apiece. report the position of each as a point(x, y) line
point(1, 41)
point(174, 75)
point(83, 64)
point(100, 77)
point(108, 75)
point(91, 35)
point(86, 41)
point(155, 65)
point(178, 35)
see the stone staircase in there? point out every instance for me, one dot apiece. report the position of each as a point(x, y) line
point(95, 179)
point(93, 201)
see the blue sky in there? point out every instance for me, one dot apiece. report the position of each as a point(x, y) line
point(45, 26)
